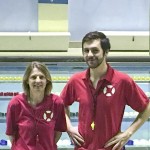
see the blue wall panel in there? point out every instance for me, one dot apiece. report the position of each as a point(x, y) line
point(54, 1)
point(18, 15)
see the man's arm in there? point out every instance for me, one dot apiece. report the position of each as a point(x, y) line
point(121, 138)
point(73, 131)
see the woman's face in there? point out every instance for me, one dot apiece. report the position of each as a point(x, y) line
point(37, 81)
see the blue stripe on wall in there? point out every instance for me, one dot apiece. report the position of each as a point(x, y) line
point(54, 1)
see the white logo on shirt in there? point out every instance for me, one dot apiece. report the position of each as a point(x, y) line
point(109, 90)
point(48, 115)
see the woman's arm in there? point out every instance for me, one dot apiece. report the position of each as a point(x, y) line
point(57, 136)
point(11, 138)
point(73, 131)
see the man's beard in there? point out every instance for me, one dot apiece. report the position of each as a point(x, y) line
point(96, 64)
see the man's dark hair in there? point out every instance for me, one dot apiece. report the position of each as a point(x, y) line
point(104, 41)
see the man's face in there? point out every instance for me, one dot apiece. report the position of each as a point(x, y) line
point(93, 53)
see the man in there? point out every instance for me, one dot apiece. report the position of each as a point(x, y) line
point(102, 93)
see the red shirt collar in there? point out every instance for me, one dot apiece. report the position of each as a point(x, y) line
point(107, 77)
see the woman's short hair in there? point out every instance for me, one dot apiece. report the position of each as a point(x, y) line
point(41, 67)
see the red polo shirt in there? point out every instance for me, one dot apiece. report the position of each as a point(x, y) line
point(34, 128)
point(113, 93)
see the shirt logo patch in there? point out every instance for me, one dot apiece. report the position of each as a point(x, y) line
point(109, 90)
point(48, 115)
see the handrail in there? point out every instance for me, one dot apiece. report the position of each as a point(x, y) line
point(71, 58)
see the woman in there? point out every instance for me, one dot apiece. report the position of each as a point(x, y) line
point(35, 118)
